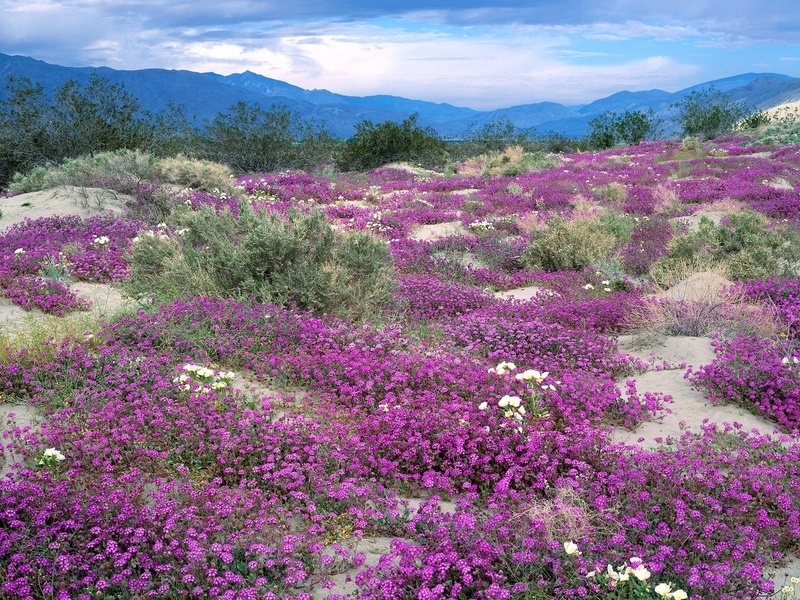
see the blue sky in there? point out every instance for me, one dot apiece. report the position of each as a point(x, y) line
point(472, 53)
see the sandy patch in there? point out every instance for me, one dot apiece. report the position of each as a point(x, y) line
point(790, 109)
point(523, 293)
point(24, 416)
point(690, 409)
point(105, 299)
point(693, 221)
point(11, 314)
point(65, 200)
point(437, 231)
point(779, 184)
point(699, 287)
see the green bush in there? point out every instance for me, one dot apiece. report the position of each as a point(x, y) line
point(36, 130)
point(746, 243)
point(631, 127)
point(375, 145)
point(708, 113)
point(568, 245)
point(102, 169)
point(293, 260)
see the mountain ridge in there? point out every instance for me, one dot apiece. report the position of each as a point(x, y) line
point(205, 95)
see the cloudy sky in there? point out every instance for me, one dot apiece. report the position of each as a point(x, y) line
point(475, 53)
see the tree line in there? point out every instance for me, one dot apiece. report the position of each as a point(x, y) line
point(102, 116)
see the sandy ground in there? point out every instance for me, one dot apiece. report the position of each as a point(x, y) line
point(84, 202)
point(438, 231)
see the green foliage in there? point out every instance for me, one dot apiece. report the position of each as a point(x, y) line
point(708, 113)
point(631, 127)
point(634, 127)
point(602, 131)
point(619, 224)
point(494, 136)
point(112, 169)
point(250, 139)
point(376, 145)
point(783, 129)
point(746, 243)
point(293, 260)
point(79, 120)
point(755, 120)
point(568, 245)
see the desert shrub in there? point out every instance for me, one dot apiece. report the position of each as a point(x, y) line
point(250, 139)
point(708, 113)
point(568, 245)
point(79, 119)
point(613, 193)
point(375, 145)
point(631, 127)
point(193, 172)
point(508, 162)
point(113, 169)
point(745, 242)
point(618, 224)
point(492, 137)
point(292, 260)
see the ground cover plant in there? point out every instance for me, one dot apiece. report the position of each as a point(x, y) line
point(309, 369)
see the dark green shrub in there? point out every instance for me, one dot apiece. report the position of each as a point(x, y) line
point(36, 130)
point(602, 131)
point(376, 145)
point(494, 136)
point(631, 127)
point(293, 260)
point(708, 113)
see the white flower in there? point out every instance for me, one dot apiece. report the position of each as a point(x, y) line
point(571, 548)
point(681, 595)
point(503, 402)
point(52, 453)
point(483, 406)
point(101, 240)
point(588, 286)
point(503, 368)
point(605, 282)
point(641, 573)
point(532, 374)
point(514, 401)
point(663, 590)
point(19, 251)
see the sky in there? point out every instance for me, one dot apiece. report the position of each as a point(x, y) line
point(474, 53)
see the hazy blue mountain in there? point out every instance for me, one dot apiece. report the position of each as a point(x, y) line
point(205, 95)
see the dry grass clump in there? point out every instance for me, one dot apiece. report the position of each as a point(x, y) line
point(699, 303)
point(514, 160)
point(612, 193)
point(194, 173)
point(40, 334)
point(567, 516)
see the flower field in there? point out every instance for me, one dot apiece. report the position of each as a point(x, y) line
point(236, 439)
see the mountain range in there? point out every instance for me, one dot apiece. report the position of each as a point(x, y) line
point(205, 95)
